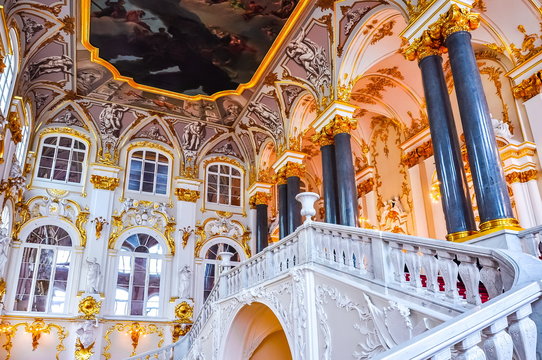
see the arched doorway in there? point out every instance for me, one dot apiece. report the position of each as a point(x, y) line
point(256, 334)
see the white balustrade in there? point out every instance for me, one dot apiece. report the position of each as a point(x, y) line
point(530, 240)
point(423, 268)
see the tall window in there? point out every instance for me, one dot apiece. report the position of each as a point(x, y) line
point(20, 151)
point(223, 185)
point(43, 275)
point(62, 159)
point(211, 265)
point(7, 77)
point(148, 172)
point(137, 289)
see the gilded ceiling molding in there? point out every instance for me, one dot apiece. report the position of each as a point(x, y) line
point(150, 145)
point(414, 11)
point(384, 30)
point(529, 87)
point(104, 182)
point(66, 131)
point(187, 195)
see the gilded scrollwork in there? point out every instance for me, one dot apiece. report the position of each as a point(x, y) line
point(89, 307)
point(521, 177)
point(422, 152)
point(135, 330)
point(260, 198)
point(187, 195)
point(184, 313)
point(529, 87)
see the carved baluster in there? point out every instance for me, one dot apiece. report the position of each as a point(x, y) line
point(523, 332)
point(471, 278)
point(318, 249)
point(448, 269)
point(491, 277)
point(430, 266)
point(498, 344)
point(328, 252)
point(366, 259)
point(398, 262)
point(413, 263)
point(468, 349)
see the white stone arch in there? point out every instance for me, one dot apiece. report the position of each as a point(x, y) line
point(113, 263)
point(17, 252)
point(248, 326)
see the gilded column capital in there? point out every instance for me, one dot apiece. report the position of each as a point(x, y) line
point(280, 177)
point(521, 177)
point(187, 195)
point(339, 125)
point(430, 43)
point(457, 19)
point(529, 87)
point(322, 139)
point(366, 187)
point(294, 169)
point(260, 198)
point(104, 182)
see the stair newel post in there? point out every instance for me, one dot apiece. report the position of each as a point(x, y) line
point(498, 344)
point(523, 331)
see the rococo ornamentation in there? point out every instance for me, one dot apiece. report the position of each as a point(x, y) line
point(260, 198)
point(104, 182)
point(184, 313)
point(529, 87)
point(521, 177)
point(90, 307)
point(187, 195)
point(418, 155)
point(295, 169)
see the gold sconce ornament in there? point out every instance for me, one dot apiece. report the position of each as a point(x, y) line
point(135, 331)
point(186, 232)
point(37, 328)
point(99, 223)
point(9, 331)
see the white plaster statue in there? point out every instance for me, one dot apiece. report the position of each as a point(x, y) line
point(110, 119)
point(193, 135)
point(30, 28)
point(501, 128)
point(86, 334)
point(48, 65)
point(94, 274)
point(185, 275)
point(269, 117)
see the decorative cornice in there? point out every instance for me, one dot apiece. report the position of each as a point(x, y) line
point(187, 195)
point(260, 198)
point(529, 87)
point(104, 182)
point(521, 177)
point(418, 155)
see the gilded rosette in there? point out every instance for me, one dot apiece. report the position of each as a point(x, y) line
point(104, 182)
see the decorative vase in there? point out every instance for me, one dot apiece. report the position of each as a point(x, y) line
point(307, 200)
point(225, 258)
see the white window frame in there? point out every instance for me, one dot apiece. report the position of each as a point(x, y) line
point(9, 75)
point(217, 205)
point(69, 280)
point(163, 293)
point(46, 181)
point(156, 163)
point(21, 149)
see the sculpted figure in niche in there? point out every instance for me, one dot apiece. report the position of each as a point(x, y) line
point(310, 57)
point(185, 275)
point(30, 28)
point(193, 135)
point(501, 128)
point(48, 65)
point(110, 119)
point(94, 274)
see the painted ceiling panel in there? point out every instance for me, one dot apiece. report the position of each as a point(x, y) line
point(193, 47)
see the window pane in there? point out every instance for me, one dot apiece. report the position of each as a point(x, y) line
point(213, 168)
point(235, 172)
point(51, 140)
point(162, 158)
point(148, 187)
point(150, 155)
point(224, 169)
point(24, 285)
point(65, 141)
point(135, 175)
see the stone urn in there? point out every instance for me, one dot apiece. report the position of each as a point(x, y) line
point(307, 200)
point(225, 258)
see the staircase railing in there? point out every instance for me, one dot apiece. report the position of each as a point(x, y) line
point(497, 330)
point(422, 267)
point(530, 240)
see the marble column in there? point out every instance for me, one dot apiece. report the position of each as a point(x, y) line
point(293, 178)
point(260, 196)
point(346, 182)
point(449, 164)
point(492, 197)
point(329, 177)
point(282, 190)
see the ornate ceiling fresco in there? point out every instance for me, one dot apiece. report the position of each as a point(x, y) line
point(192, 47)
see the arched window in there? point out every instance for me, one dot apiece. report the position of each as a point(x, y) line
point(44, 271)
point(62, 159)
point(223, 185)
point(149, 172)
point(211, 265)
point(7, 77)
point(138, 282)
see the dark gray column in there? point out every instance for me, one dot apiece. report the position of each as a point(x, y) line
point(346, 182)
point(451, 174)
point(261, 227)
point(329, 174)
point(489, 182)
point(283, 209)
point(294, 206)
